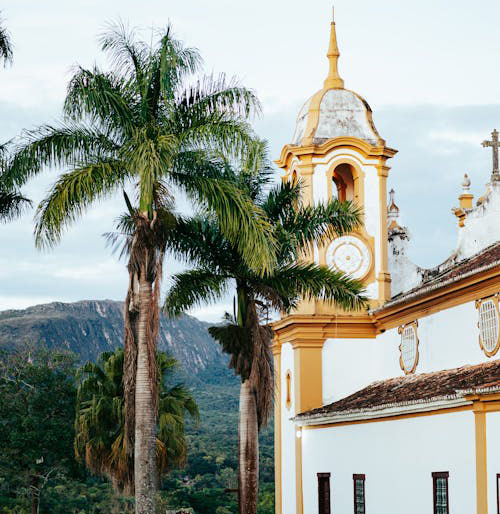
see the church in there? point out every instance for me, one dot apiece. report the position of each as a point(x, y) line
point(395, 409)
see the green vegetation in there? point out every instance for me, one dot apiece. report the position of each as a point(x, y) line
point(211, 465)
point(145, 125)
point(100, 420)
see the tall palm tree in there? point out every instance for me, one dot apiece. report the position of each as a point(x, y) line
point(100, 419)
point(6, 53)
point(147, 124)
point(246, 335)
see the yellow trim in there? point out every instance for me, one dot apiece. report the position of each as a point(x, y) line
point(481, 459)
point(383, 277)
point(317, 151)
point(303, 327)
point(469, 289)
point(299, 501)
point(308, 387)
point(277, 430)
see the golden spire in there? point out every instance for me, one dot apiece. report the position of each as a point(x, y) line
point(333, 80)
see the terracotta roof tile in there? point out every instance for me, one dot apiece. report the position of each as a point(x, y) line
point(422, 387)
point(449, 271)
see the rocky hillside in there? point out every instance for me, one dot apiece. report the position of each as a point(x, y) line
point(90, 327)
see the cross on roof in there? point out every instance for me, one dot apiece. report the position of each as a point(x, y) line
point(494, 144)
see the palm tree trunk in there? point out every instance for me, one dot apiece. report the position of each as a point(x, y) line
point(145, 416)
point(248, 433)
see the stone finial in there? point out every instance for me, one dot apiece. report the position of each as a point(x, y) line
point(466, 183)
point(465, 199)
point(393, 213)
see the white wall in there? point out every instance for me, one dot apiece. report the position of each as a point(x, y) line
point(287, 434)
point(493, 458)
point(447, 339)
point(397, 458)
point(351, 364)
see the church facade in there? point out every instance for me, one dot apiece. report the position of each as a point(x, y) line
point(395, 409)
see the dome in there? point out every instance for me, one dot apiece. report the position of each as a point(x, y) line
point(334, 111)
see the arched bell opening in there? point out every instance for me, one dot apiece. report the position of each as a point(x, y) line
point(343, 182)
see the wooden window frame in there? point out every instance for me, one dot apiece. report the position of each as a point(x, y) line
point(498, 493)
point(435, 476)
point(320, 476)
point(361, 477)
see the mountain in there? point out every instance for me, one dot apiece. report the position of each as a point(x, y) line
point(90, 327)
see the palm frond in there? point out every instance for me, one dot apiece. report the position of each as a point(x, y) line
point(241, 221)
point(104, 98)
point(192, 288)
point(6, 53)
point(129, 57)
point(311, 281)
point(63, 145)
point(12, 205)
point(72, 194)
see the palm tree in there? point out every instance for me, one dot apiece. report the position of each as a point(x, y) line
point(100, 419)
point(246, 335)
point(145, 123)
point(6, 53)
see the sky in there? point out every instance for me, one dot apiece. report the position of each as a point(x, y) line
point(429, 71)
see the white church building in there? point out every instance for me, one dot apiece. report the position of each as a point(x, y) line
point(395, 409)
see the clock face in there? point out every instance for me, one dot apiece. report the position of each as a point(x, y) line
point(350, 255)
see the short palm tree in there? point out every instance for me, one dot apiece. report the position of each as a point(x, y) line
point(6, 53)
point(246, 335)
point(100, 419)
point(145, 123)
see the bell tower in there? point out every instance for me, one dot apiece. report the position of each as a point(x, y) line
point(336, 152)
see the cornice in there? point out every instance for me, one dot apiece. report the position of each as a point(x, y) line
point(456, 292)
point(363, 147)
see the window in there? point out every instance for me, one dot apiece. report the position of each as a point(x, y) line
point(440, 492)
point(489, 332)
point(324, 493)
point(288, 389)
point(498, 493)
point(359, 494)
point(408, 348)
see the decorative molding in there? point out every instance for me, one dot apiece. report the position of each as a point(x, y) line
point(364, 148)
point(401, 330)
point(457, 292)
point(479, 304)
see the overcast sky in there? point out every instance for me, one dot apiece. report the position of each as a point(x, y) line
point(429, 70)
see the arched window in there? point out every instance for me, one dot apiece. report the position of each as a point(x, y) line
point(288, 381)
point(343, 182)
point(489, 325)
point(408, 348)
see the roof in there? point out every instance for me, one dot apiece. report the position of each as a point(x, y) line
point(450, 384)
point(449, 271)
point(333, 113)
